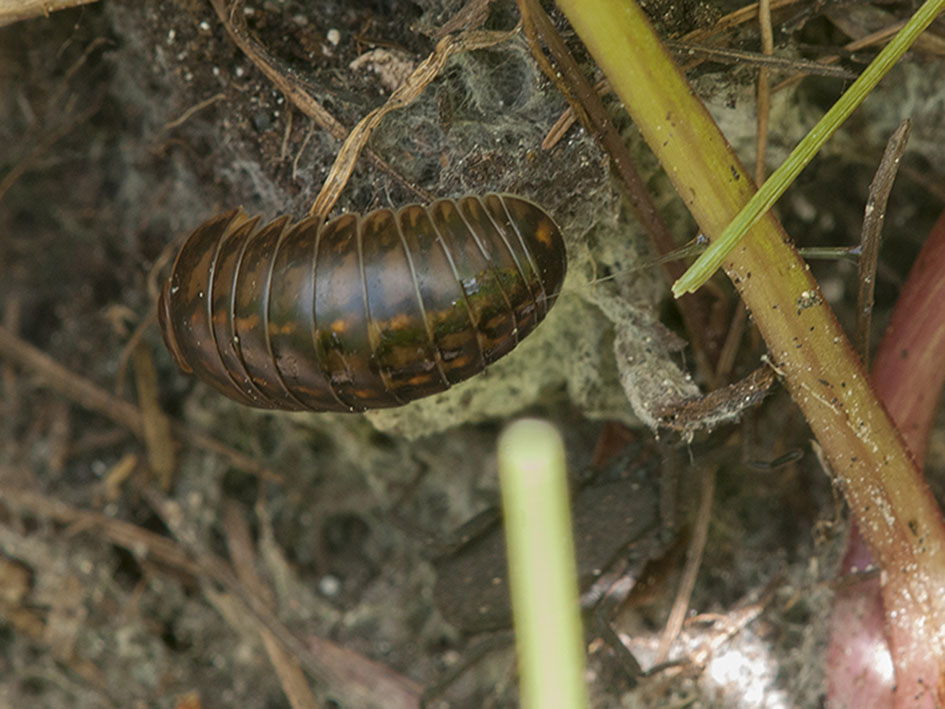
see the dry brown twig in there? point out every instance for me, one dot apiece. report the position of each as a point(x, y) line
point(697, 43)
point(233, 20)
point(346, 673)
point(94, 398)
point(49, 139)
point(687, 582)
point(728, 625)
point(188, 114)
point(235, 24)
point(49, 625)
point(575, 87)
point(155, 424)
point(928, 42)
point(357, 680)
point(16, 10)
point(355, 141)
point(125, 534)
point(873, 217)
point(763, 107)
point(800, 68)
point(730, 347)
point(10, 399)
point(726, 55)
point(59, 118)
point(732, 20)
point(704, 44)
point(404, 95)
point(239, 542)
point(471, 16)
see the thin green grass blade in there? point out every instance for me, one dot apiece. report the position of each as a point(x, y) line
point(780, 179)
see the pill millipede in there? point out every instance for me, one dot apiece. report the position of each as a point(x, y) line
point(363, 311)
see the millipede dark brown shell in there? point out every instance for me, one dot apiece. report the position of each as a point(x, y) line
point(361, 312)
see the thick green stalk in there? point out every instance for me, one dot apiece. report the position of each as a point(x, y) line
point(898, 516)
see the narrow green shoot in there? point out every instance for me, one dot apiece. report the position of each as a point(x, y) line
point(780, 179)
point(542, 569)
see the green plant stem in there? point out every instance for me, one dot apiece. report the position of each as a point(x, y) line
point(897, 514)
point(542, 569)
point(710, 261)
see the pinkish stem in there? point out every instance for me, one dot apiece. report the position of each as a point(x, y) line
point(908, 374)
